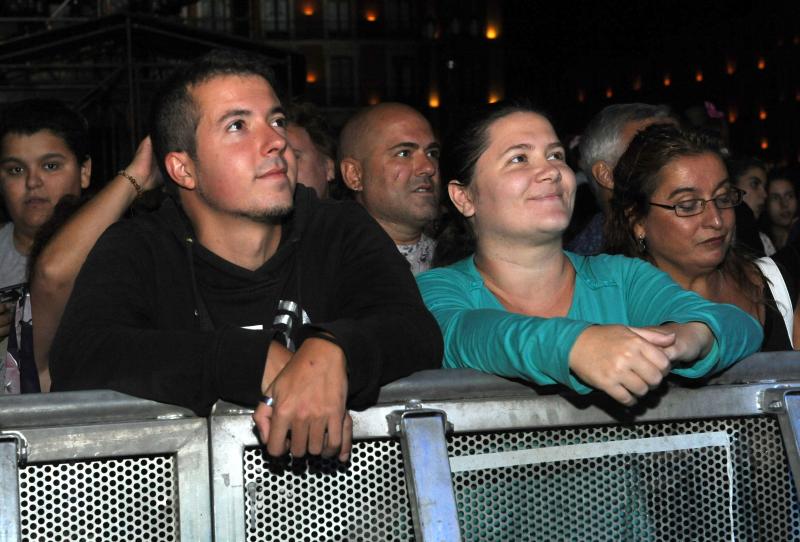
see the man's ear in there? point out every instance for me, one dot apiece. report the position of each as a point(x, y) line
point(351, 174)
point(604, 175)
point(181, 169)
point(461, 198)
point(86, 173)
point(330, 170)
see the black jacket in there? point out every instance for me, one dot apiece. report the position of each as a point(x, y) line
point(156, 315)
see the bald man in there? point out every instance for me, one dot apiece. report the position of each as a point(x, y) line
point(389, 159)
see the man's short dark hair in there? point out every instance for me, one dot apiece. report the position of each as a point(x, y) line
point(308, 116)
point(27, 117)
point(174, 113)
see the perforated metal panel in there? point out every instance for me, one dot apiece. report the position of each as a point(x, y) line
point(365, 502)
point(102, 500)
point(665, 496)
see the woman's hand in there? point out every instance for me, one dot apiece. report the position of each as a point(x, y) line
point(144, 167)
point(692, 341)
point(624, 362)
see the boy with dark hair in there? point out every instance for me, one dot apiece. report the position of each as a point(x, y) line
point(43, 157)
point(247, 288)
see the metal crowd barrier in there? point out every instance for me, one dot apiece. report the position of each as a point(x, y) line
point(445, 455)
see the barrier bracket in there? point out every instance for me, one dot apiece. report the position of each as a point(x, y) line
point(784, 402)
point(422, 434)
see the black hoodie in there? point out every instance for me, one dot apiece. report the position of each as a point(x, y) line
point(156, 315)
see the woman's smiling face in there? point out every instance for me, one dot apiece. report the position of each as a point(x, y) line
point(522, 186)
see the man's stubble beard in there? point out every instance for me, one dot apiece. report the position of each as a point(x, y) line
point(271, 216)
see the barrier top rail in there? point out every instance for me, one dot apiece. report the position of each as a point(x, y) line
point(432, 387)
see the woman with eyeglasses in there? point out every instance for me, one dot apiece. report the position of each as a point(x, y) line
point(516, 304)
point(673, 206)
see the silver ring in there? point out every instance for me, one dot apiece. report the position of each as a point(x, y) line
point(267, 400)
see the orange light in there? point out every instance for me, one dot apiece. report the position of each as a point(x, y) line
point(371, 16)
point(609, 93)
point(733, 114)
point(698, 76)
point(433, 100)
point(494, 97)
point(311, 77)
point(308, 9)
point(374, 99)
point(762, 114)
point(667, 80)
point(491, 32)
point(637, 83)
point(764, 143)
point(761, 63)
point(581, 96)
point(797, 96)
point(730, 67)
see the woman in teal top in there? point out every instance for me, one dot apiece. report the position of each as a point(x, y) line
point(521, 306)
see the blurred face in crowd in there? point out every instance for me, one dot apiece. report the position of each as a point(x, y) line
point(781, 202)
point(686, 246)
point(398, 181)
point(314, 169)
point(522, 188)
point(754, 181)
point(36, 171)
point(243, 167)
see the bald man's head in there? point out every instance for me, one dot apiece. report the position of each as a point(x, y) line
point(389, 158)
point(357, 135)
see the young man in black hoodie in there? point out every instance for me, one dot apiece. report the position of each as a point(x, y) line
point(246, 285)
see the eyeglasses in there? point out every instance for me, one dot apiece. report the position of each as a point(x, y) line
point(692, 207)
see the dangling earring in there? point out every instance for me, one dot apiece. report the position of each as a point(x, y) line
point(640, 243)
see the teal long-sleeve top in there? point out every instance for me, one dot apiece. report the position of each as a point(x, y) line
point(480, 333)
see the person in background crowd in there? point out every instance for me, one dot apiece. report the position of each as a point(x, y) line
point(389, 158)
point(314, 147)
point(605, 139)
point(520, 306)
point(750, 175)
point(44, 156)
point(673, 207)
point(246, 287)
point(781, 210)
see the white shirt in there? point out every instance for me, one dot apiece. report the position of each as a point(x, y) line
point(12, 264)
point(420, 254)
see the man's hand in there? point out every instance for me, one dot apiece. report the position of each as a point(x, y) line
point(5, 319)
point(624, 362)
point(310, 395)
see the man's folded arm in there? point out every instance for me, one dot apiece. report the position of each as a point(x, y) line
point(383, 326)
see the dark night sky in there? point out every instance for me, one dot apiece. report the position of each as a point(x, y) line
point(555, 49)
